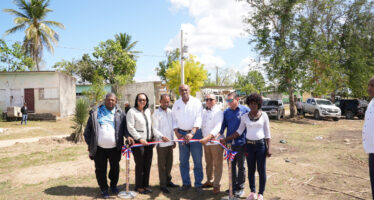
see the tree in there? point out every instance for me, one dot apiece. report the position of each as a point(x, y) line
point(13, 59)
point(194, 75)
point(114, 63)
point(272, 24)
point(67, 67)
point(97, 91)
point(323, 30)
point(125, 41)
point(250, 83)
point(172, 56)
point(357, 41)
point(38, 33)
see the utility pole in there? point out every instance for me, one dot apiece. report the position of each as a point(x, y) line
point(182, 50)
point(216, 75)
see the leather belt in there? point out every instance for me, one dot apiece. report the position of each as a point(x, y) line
point(255, 141)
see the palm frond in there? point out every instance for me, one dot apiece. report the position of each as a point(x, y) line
point(21, 20)
point(47, 43)
point(14, 12)
point(53, 23)
point(14, 29)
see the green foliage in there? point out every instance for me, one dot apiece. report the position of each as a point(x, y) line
point(96, 92)
point(80, 118)
point(13, 58)
point(67, 67)
point(194, 75)
point(253, 82)
point(38, 33)
point(127, 45)
point(163, 66)
point(357, 40)
point(273, 25)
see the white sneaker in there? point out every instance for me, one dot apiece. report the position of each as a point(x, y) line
point(251, 196)
point(260, 197)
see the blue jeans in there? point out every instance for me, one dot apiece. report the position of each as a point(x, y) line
point(24, 119)
point(256, 155)
point(196, 150)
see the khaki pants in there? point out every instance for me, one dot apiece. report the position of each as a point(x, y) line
point(214, 162)
point(165, 163)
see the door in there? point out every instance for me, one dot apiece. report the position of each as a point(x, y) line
point(29, 99)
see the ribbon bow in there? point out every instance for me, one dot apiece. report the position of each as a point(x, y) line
point(126, 151)
point(229, 154)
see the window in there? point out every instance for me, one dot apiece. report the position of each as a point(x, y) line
point(48, 93)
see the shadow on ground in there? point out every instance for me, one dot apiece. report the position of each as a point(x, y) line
point(64, 190)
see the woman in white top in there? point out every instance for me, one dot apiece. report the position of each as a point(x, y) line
point(258, 143)
point(139, 125)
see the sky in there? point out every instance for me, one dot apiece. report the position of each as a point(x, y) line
point(213, 31)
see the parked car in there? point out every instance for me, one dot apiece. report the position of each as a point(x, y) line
point(273, 108)
point(321, 108)
point(352, 107)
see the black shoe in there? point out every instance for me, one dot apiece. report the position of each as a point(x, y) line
point(185, 187)
point(105, 194)
point(171, 184)
point(148, 190)
point(114, 190)
point(165, 190)
point(198, 189)
point(228, 191)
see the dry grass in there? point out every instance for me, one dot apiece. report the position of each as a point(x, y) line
point(14, 130)
point(332, 168)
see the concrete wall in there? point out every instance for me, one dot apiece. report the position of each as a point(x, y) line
point(49, 91)
point(67, 95)
point(130, 91)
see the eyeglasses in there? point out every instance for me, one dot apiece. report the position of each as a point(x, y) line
point(142, 100)
point(229, 100)
point(209, 99)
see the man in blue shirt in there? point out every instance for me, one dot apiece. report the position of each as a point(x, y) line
point(231, 121)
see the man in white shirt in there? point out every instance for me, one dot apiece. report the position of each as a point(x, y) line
point(163, 124)
point(211, 126)
point(368, 133)
point(187, 112)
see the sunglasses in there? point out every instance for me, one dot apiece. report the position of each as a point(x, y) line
point(142, 100)
point(229, 100)
point(209, 99)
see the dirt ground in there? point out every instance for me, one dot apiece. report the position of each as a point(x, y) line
point(321, 160)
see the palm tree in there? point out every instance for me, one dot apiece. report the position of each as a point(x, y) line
point(125, 40)
point(38, 33)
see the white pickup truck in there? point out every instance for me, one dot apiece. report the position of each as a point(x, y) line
point(321, 108)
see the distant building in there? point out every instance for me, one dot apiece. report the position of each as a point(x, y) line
point(153, 89)
point(45, 92)
point(81, 88)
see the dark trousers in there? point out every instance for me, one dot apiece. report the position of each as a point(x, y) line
point(238, 168)
point(165, 163)
point(256, 155)
point(143, 162)
point(371, 171)
point(101, 159)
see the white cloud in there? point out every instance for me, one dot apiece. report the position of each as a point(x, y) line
point(216, 24)
point(147, 78)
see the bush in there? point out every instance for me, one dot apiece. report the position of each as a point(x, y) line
point(80, 119)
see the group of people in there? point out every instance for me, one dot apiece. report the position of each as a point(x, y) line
point(243, 129)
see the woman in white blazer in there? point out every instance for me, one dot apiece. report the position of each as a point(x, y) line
point(139, 125)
